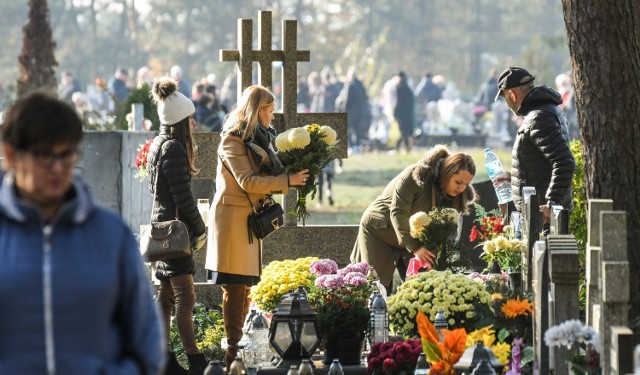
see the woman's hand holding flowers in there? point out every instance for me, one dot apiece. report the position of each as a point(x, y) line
point(424, 255)
point(298, 178)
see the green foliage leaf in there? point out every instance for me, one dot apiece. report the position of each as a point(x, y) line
point(503, 334)
point(431, 351)
point(527, 355)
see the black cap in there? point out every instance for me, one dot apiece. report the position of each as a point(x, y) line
point(513, 77)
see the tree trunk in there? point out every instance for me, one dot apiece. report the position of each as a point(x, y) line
point(604, 43)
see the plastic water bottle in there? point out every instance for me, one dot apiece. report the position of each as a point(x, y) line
point(495, 170)
point(422, 366)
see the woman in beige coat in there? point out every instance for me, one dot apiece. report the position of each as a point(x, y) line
point(440, 179)
point(247, 163)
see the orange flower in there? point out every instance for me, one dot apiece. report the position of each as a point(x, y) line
point(441, 355)
point(516, 307)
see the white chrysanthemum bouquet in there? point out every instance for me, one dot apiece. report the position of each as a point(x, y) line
point(309, 147)
point(504, 251)
point(437, 230)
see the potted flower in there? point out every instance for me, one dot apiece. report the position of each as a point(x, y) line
point(465, 302)
point(583, 342)
point(279, 278)
point(394, 357)
point(340, 297)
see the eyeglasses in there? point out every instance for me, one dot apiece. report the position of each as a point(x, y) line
point(46, 159)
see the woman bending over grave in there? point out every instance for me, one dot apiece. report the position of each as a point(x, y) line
point(440, 179)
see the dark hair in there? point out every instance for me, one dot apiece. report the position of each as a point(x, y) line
point(181, 132)
point(40, 120)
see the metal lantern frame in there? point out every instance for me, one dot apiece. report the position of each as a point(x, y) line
point(294, 331)
point(473, 355)
point(378, 320)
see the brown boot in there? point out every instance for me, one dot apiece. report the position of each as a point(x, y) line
point(234, 298)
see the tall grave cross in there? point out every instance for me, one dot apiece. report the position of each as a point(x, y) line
point(289, 55)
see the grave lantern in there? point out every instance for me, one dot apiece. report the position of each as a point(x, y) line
point(379, 320)
point(476, 353)
point(440, 324)
point(294, 329)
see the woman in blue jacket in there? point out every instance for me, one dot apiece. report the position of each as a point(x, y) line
point(76, 298)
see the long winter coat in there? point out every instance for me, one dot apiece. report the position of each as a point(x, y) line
point(75, 295)
point(384, 234)
point(541, 155)
point(228, 247)
point(174, 191)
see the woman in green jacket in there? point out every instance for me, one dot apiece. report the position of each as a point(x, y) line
point(440, 179)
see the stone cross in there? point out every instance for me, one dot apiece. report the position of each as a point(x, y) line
point(289, 55)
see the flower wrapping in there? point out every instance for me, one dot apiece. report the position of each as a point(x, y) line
point(309, 147)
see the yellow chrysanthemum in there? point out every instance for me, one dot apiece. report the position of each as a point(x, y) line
point(502, 243)
point(312, 128)
point(502, 351)
point(516, 307)
point(298, 138)
point(281, 142)
point(417, 223)
point(330, 135)
point(496, 297)
point(489, 247)
point(517, 245)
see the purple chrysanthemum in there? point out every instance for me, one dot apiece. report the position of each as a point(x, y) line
point(355, 279)
point(361, 267)
point(332, 281)
point(323, 267)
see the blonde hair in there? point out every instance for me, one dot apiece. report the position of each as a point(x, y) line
point(244, 118)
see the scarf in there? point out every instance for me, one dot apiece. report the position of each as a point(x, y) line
point(262, 150)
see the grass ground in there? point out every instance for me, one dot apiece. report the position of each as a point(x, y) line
point(365, 175)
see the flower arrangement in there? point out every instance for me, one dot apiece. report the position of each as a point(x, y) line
point(508, 253)
point(441, 354)
point(464, 302)
point(141, 159)
point(340, 297)
point(279, 278)
point(437, 231)
point(309, 147)
point(572, 333)
point(394, 357)
point(489, 224)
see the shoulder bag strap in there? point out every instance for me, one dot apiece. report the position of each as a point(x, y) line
point(433, 197)
point(155, 182)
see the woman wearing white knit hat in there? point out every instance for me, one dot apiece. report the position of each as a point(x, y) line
point(174, 148)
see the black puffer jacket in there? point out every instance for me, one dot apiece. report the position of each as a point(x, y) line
point(174, 190)
point(541, 156)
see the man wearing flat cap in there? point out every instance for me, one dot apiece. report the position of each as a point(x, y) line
point(541, 156)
